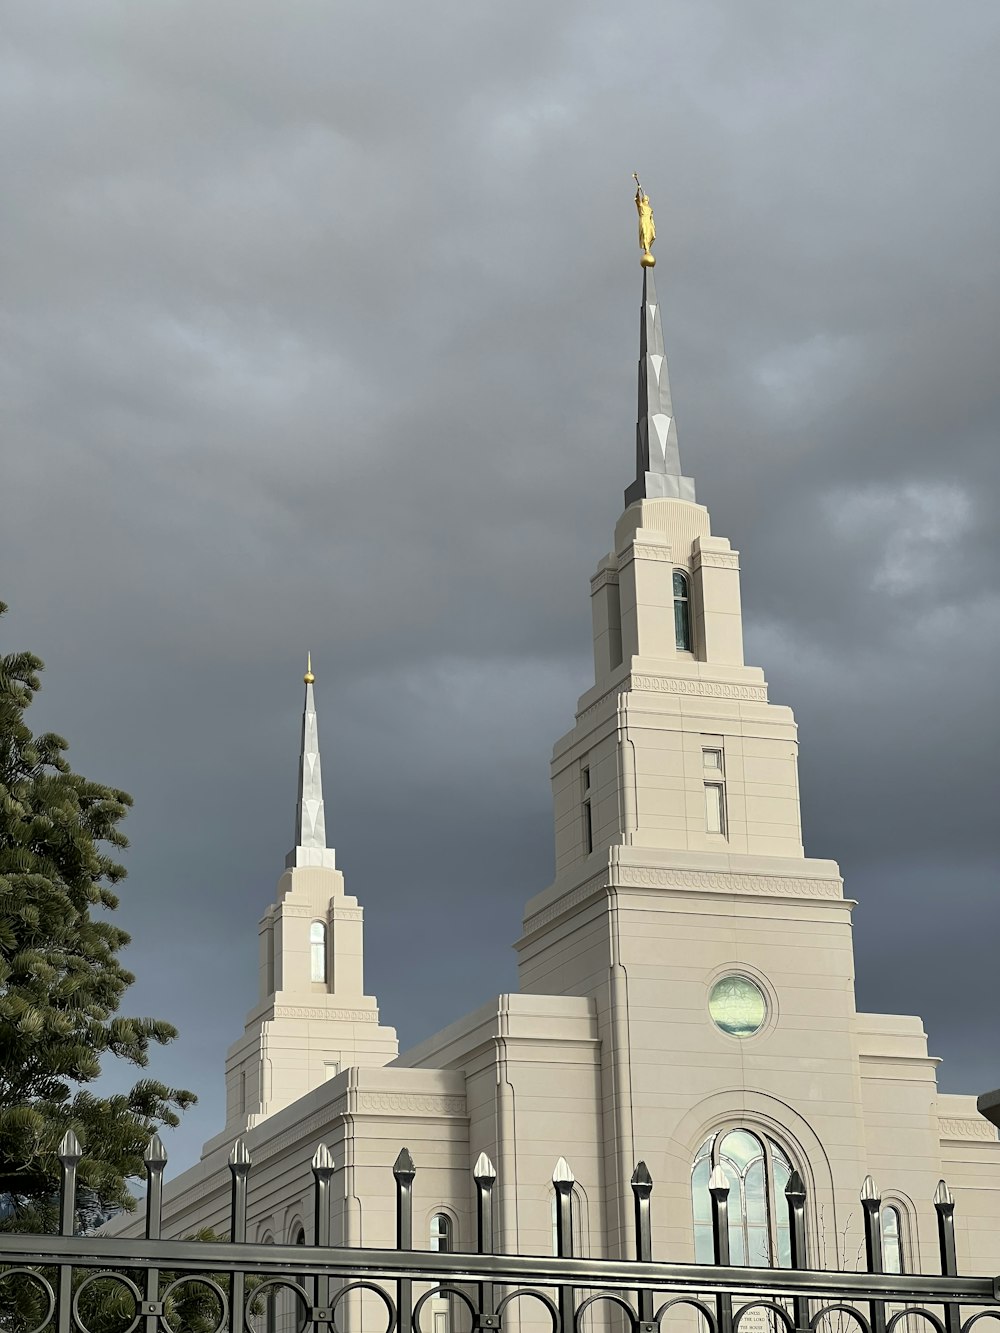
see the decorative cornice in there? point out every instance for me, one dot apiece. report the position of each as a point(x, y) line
point(298, 909)
point(599, 703)
point(717, 559)
point(645, 551)
point(602, 578)
point(712, 689)
point(410, 1103)
point(332, 1015)
point(567, 902)
point(700, 881)
point(318, 1126)
point(967, 1129)
point(347, 914)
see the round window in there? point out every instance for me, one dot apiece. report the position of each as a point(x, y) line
point(737, 1006)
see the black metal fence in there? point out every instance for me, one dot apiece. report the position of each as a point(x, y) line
point(566, 1293)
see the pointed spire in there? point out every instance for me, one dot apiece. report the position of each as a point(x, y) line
point(310, 819)
point(658, 460)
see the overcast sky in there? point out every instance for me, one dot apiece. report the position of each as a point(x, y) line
point(320, 330)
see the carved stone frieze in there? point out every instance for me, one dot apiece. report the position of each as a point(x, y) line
point(321, 1014)
point(721, 882)
point(712, 689)
point(718, 559)
point(566, 904)
point(410, 1103)
point(967, 1129)
point(644, 551)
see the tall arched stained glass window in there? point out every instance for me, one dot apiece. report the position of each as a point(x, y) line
point(892, 1240)
point(682, 611)
point(317, 951)
point(757, 1170)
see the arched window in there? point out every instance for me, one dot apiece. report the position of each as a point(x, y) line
point(317, 951)
point(271, 1299)
point(682, 611)
point(892, 1240)
point(757, 1171)
point(442, 1237)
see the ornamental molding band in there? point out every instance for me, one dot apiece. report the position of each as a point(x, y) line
point(602, 579)
point(705, 689)
point(643, 551)
point(596, 884)
point(316, 1127)
point(712, 689)
point(718, 559)
point(765, 886)
point(967, 1129)
point(410, 1103)
point(327, 1015)
point(299, 909)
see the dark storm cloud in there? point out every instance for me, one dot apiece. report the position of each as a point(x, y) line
point(320, 332)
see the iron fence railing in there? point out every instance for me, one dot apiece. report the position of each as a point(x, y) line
point(322, 1280)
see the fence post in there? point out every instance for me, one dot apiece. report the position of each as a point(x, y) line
point(239, 1169)
point(322, 1169)
point(564, 1180)
point(718, 1188)
point(70, 1154)
point(155, 1160)
point(484, 1173)
point(642, 1188)
point(795, 1194)
point(403, 1170)
point(944, 1205)
point(871, 1203)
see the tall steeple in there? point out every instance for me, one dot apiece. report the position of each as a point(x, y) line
point(657, 457)
point(310, 821)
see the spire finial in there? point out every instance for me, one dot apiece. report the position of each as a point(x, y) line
point(658, 460)
point(647, 227)
point(310, 819)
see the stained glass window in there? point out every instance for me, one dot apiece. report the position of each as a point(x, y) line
point(736, 1005)
point(682, 612)
point(757, 1171)
point(317, 951)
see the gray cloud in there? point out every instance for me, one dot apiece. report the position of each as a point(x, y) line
point(319, 331)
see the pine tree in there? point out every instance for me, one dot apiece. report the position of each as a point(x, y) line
point(61, 981)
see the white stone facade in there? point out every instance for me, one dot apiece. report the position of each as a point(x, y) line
point(679, 863)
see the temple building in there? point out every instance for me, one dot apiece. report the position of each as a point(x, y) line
point(686, 981)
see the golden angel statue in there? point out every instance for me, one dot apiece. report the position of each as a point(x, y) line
point(647, 227)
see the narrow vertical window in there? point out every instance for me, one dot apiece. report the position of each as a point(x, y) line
point(317, 951)
point(892, 1241)
point(441, 1234)
point(758, 1172)
point(715, 815)
point(682, 611)
point(243, 1091)
point(715, 790)
point(588, 814)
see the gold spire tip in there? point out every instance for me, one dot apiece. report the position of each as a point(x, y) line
point(647, 227)
point(309, 677)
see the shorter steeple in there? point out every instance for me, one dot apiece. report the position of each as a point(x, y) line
point(310, 820)
point(658, 460)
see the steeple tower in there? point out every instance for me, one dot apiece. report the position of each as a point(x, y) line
point(657, 456)
point(310, 819)
point(313, 1017)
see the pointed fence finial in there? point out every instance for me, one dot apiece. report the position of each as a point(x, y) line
point(156, 1154)
point(484, 1172)
point(239, 1155)
point(403, 1168)
point(562, 1174)
point(717, 1181)
point(943, 1197)
point(795, 1189)
point(870, 1191)
point(642, 1181)
point(322, 1162)
point(70, 1152)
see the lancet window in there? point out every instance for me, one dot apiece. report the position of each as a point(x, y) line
point(682, 611)
point(757, 1171)
point(317, 951)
